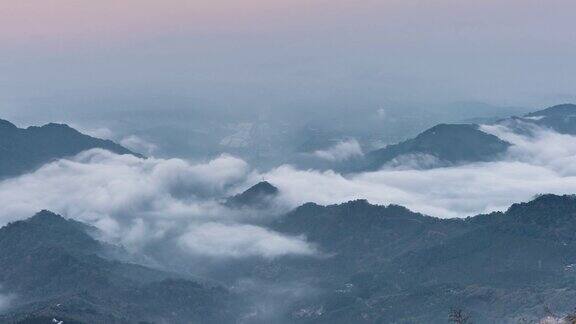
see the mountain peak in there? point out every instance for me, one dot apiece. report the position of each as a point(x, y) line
point(46, 220)
point(6, 125)
point(258, 196)
point(263, 187)
point(558, 111)
point(444, 128)
point(447, 144)
point(46, 216)
point(56, 125)
point(355, 203)
point(547, 210)
point(546, 201)
point(48, 229)
point(56, 128)
point(24, 150)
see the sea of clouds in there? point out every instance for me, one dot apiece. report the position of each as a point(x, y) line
point(138, 202)
point(539, 161)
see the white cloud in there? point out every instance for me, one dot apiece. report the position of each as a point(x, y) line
point(414, 161)
point(98, 132)
point(341, 151)
point(140, 201)
point(544, 162)
point(5, 301)
point(132, 142)
point(221, 240)
point(137, 144)
point(542, 147)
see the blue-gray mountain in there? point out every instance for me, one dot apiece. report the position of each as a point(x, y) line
point(390, 265)
point(57, 270)
point(452, 144)
point(23, 150)
point(377, 264)
point(561, 118)
point(258, 196)
point(445, 144)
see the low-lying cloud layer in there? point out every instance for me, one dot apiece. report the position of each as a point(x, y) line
point(543, 162)
point(138, 201)
point(341, 151)
point(141, 202)
point(131, 141)
point(216, 239)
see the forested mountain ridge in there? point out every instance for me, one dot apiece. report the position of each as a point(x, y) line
point(389, 265)
point(375, 264)
point(55, 269)
point(23, 150)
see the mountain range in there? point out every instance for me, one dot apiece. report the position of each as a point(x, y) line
point(390, 265)
point(453, 144)
point(23, 150)
point(57, 270)
point(379, 264)
point(374, 264)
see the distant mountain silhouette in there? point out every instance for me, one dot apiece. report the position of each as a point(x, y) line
point(561, 118)
point(23, 150)
point(564, 110)
point(57, 270)
point(445, 144)
point(453, 144)
point(257, 196)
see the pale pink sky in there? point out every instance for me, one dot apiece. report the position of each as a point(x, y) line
point(108, 20)
point(502, 51)
point(62, 19)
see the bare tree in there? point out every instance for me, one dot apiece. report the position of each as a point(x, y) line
point(458, 316)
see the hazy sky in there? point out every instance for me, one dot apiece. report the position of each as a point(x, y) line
point(76, 55)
